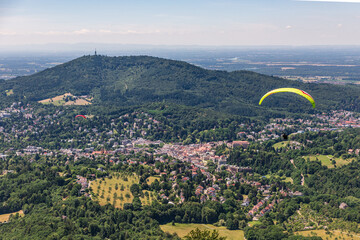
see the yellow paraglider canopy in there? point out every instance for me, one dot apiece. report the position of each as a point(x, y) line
point(294, 90)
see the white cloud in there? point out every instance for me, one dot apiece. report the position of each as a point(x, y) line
point(82, 31)
point(288, 27)
point(48, 33)
point(339, 25)
point(105, 31)
point(6, 33)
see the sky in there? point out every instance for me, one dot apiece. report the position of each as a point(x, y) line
point(185, 22)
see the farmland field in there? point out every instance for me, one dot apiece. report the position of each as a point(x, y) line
point(5, 217)
point(116, 190)
point(335, 234)
point(182, 230)
point(60, 100)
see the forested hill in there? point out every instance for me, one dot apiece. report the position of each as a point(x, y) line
point(143, 79)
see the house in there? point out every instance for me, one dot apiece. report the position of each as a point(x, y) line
point(343, 205)
point(163, 196)
point(173, 178)
point(245, 202)
point(357, 152)
point(233, 169)
point(184, 179)
point(245, 169)
point(243, 144)
point(298, 194)
point(211, 191)
point(257, 184)
point(92, 175)
point(241, 134)
point(83, 182)
point(251, 212)
point(182, 198)
point(199, 190)
point(266, 192)
point(216, 187)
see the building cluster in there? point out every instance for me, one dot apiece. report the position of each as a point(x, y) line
point(331, 121)
point(197, 156)
point(340, 119)
point(84, 184)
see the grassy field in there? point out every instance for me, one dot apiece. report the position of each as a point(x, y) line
point(183, 229)
point(285, 144)
point(152, 179)
point(334, 234)
point(280, 145)
point(326, 160)
point(288, 179)
point(253, 223)
point(59, 100)
point(5, 217)
point(116, 190)
point(284, 179)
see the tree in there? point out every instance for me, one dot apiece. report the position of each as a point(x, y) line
point(242, 224)
point(94, 229)
point(136, 203)
point(75, 190)
point(209, 215)
point(232, 224)
point(135, 189)
point(197, 234)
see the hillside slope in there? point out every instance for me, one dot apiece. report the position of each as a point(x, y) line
point(142, 79)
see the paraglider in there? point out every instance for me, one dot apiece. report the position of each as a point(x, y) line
point(293, 90)
point(80, 116)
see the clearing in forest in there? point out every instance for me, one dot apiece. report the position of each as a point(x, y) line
point(67, 99)
point(5, 217)
point(287, 145)
point(327, 160)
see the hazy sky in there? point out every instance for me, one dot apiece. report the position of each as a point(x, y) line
point(180, 22)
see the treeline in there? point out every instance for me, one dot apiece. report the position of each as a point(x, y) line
point(81, 218)
point(335, 143)
point(141, 79)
